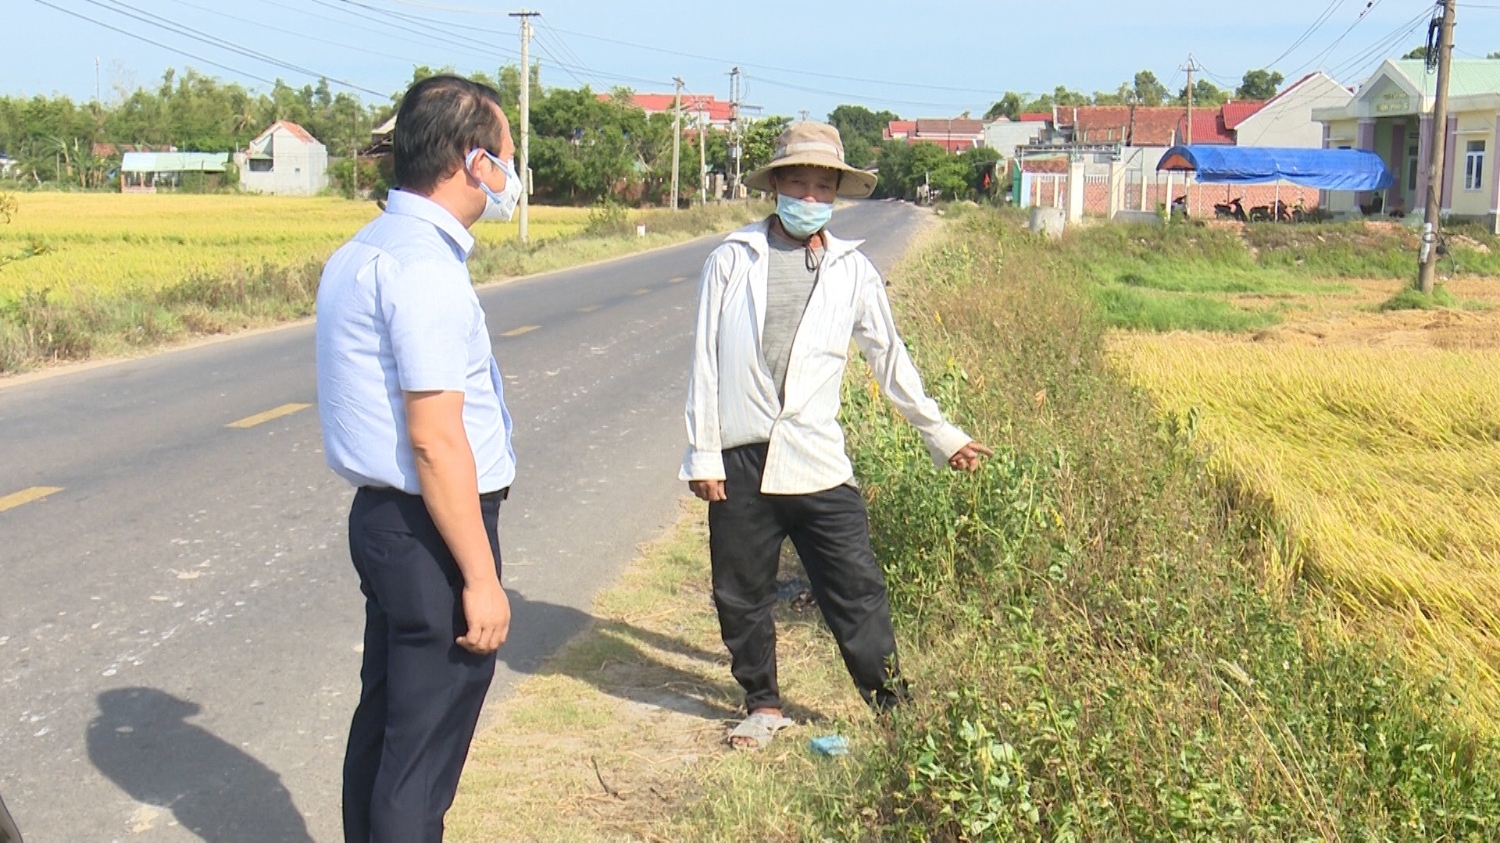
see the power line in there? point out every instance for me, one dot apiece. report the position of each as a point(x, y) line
point(346, 22)
point(799, 71)
point(154, 43)
point(1382, 46)
point(1321, 57)
point(1322, 19)
point(294, 33)
point(214, 41)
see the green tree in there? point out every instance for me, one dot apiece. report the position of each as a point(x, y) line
point(1205, 93)
point(1008, 106)
point(981, 161)
point(861, 131)
point(1149, 91)
point(1416, 53)
point(1259, 85)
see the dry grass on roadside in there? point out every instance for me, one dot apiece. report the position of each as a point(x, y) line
point(621, 735)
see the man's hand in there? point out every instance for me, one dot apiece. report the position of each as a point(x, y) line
point(708, 490)
point(487, 616)
point(969, 457)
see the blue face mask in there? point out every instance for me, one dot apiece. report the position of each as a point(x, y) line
point(802, 219)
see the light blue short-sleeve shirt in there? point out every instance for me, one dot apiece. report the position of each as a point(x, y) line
point(397, 313)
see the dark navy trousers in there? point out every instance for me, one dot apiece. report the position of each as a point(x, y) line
point(831, 531)
point(420, 693)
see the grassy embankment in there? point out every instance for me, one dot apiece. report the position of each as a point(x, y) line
point(1194, 277)
point(1104, 643)
point(113, 274)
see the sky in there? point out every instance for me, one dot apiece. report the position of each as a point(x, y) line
point(932, 59)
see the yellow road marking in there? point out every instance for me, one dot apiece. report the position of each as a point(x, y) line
point(273, 413)
point(678, 280)
point(524, 329)
point(35, 493)
point(641, 292)
point(588, 308)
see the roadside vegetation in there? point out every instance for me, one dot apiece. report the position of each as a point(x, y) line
point(93, 275)
point(1113, 632)
point(1240, 278)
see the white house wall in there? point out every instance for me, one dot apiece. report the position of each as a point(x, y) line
point(1004, 137)
point(1288, 121)
point(297, 169)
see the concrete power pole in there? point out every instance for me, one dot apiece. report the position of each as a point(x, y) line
point(1187, 185)
point(1432, 218)
point(702, 158)
point(523, 166)
point(736, 130)
point(676, 137)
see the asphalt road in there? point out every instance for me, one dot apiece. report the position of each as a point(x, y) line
point(179, 621)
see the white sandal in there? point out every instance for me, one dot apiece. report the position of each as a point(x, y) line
point(759, 728)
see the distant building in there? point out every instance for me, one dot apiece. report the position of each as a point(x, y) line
point(1004, 135)
point(695, 107)
point(8, 165)
point(955, 134)
point(285, 160)
point(1286, 120)
point(145, 172)
point(1392, 116)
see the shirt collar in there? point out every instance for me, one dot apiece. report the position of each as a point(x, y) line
point(410, 204)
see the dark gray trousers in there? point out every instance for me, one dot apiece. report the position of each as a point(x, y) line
point(831, 531)
point(420, 692)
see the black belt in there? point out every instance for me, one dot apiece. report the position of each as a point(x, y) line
point(498, 495)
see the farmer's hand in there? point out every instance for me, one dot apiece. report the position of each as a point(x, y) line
point(969, 457)
point(708, 490)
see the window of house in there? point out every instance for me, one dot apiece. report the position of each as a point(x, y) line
point(260, 165)
point(1474, 166)
point(1412, 151)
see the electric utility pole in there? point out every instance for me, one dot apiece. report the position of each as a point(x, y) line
point(676, 137)
point(1432, 218)
point(732, 164)
point(1191, 67)
point(703, 157)
point(523, 166)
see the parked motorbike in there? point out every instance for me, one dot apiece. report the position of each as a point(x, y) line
point(1231, 210)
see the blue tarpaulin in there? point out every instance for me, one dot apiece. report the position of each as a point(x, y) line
point(1327, 169)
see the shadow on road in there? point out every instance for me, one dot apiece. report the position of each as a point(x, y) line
point(142, 741)
point(624, 661)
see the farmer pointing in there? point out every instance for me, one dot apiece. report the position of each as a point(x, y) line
point(779, 302)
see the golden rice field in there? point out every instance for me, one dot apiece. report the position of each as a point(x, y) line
point(1382, 462)
point(113, 242)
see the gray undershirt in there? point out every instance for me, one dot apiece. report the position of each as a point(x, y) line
point(789, 285)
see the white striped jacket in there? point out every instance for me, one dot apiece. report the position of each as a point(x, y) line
point(732, 399)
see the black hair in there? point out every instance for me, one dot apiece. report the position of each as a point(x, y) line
point(440, 120)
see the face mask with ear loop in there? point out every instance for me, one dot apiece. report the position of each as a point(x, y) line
point(497, 206)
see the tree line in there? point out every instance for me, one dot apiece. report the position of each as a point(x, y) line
point(584, 147)
point(1145, 89)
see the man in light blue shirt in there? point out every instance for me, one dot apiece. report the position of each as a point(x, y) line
point(413, 413)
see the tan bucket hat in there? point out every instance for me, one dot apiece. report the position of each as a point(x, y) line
point(813, 144)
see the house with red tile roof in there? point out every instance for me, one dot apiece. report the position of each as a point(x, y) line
point(286, 160)
point(1148, 125)
point(715, 110)
point(955, 134)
